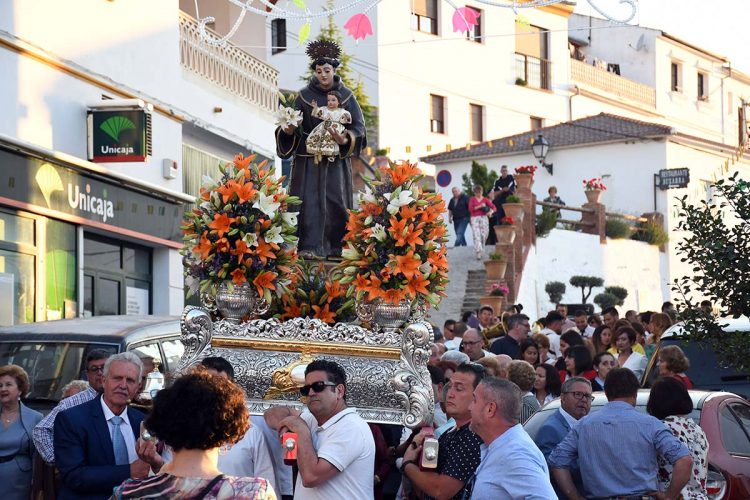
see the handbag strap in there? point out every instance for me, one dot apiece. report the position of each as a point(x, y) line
point(205, 491)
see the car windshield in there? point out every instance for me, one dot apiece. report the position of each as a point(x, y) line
point(50, 365)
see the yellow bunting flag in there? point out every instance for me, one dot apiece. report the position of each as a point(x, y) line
point(429, 148)
point(510, 142)
point(408, 149)
point(489, 144)
point(447, 147)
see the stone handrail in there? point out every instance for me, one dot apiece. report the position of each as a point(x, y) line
point(228, 67)
point(613, 83)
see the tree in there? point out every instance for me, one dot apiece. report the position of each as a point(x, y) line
point(717, 246)
point(555, 290)
point(479, 175)
point(618, 292)
point(332, 33)
point(605, 300)
point(584, 282)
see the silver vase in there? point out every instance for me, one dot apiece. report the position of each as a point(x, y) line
point(384, 314)
point(241, 301)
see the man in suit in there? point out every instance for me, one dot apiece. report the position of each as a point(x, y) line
point(96, 442)
point(575, 403)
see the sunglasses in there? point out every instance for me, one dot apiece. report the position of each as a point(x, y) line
point(316, 386)
point(95, 369)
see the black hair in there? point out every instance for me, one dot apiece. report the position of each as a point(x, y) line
point(437, 375)
point(582, 358)
point(611, 310)
point(219, 364)
point(621, 383)
point(97, 354)
point(668, 396)
point(487, 308)
point(598, 358)
point(525, 344)
point(334, 372)
point(579, 313)
point(553, 316)
point(628, 331)
point(552, 384)
point(572, 338)
point(474, 369)
point(449, 322)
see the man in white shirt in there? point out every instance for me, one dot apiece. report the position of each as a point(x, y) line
point(582, 324)
point(553, 329)
point(335, 447)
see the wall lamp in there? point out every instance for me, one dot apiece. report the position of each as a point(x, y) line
point(540, 148)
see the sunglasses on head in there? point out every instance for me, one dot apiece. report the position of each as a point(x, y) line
point(318, 386)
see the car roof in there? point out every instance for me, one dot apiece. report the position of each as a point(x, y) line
point(741, 324)
point(99, 328)
point(698, 397)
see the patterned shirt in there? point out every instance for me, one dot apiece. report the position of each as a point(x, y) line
point(44, 431)
point(692, 436)
point(169, 486)
point(459, 455)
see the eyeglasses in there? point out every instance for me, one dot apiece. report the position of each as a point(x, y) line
point(95, 369)
point(318, 386)
point(580, 395)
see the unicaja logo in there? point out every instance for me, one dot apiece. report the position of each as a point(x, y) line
point(113, 127)
point(87, 202)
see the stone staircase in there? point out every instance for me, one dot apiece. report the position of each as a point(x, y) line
point(475, 288)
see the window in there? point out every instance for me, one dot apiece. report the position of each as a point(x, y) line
point(676, 72)
point(733, 433)
point(424, 16)
point(702, 86)
point(477, 130)
point(532, 52)
point(278, 36)
point(475, 34)
point(536, 123)
point(173, 351)
point(437, 114)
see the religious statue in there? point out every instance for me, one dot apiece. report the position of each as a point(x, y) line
point(335, 132)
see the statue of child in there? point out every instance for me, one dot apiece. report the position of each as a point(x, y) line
point(320, 143)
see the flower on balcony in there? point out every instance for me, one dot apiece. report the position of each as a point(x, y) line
point(241, 232)
point(499, 290)
point(594, 184)
point(506, 221)
point(394, 248)
point(527, 170)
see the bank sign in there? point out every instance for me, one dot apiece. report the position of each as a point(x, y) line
point(118, 135)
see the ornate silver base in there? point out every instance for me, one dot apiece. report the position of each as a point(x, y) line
point(234, 302)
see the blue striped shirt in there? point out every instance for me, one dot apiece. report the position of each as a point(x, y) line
point(616, 450)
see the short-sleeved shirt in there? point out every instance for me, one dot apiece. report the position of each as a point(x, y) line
point(346, 442)
point(459, 455)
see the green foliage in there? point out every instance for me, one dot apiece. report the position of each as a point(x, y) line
point(480, 175)
point(617, 229)
point(584, 283)
point(618, 292)
point(546, 222)
point(513, 199)
point(651, 232)
point(605, 300)
point(555, 290)
point(717, 246)
point(496, 256)
point(332, 33)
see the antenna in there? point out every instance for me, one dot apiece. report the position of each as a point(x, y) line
point(640, 45)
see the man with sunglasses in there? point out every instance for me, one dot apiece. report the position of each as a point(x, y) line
point(44, 431)
point(458, 448)
point(335, 447)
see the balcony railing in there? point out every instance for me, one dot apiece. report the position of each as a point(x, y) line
point(532, 71)
point(228, 67)
point(612, 83)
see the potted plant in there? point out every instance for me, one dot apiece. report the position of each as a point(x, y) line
point(525, 176)
point(520, 81)
point(505, 232)
point(495, 267)
point(495, 298)
point(593, 189)
point(513, 207)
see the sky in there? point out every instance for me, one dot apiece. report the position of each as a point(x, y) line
point(719, 26)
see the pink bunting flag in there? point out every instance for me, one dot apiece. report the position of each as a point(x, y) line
point(359, 26)
point(464, 19)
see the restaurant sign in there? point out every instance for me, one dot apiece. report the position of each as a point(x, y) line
point(119, 135)
point(674, 178)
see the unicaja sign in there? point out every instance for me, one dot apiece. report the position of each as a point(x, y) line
point(87, 202)
point(119, 131)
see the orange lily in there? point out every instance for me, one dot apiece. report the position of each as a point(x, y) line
point(334, 290)
point(238, 276)
point(407, 264)
point(240, 249)
point(403, 172)
point(204, 247)
point(245, 192)
point(412, 237)
point(222, 246)
point(264, 251)
point(373, 290)
point(221, 223)
point(241, 162)
point(292, 310)
point(361, 283)
point(408, 212)
point(265, 280)
point(324, 314)
point(394, 296)
point(418, 284)
point(227, 190)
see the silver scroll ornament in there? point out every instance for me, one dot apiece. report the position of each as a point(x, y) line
point(411, 381)
point(197, 327)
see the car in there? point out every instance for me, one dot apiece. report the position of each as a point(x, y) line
point(54, 352)
point(705, 372)
point(723, 416)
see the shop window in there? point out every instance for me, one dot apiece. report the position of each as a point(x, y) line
point(60, 270)
point(424, 16)
point(17, 229)
point(437, 114)
point(17, 288)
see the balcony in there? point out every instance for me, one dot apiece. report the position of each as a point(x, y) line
point(612, 83)
point(229, 67)
point(532, 71)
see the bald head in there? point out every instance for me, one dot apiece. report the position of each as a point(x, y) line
point(503, 362)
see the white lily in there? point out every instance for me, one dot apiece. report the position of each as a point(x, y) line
point(266, 205)
point(286, 116)
point(350, 254)
point(251, 239)
point(273, 235)
point(378, 232)
point(398, 199)
point(367, 196)
point(290, 218)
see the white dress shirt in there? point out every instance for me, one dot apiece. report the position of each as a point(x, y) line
point(125, 428)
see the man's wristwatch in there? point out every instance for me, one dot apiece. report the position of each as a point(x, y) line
point(405, 463)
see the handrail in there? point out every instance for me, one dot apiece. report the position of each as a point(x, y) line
point(613, 83)
point(566, 207)
point(229, 67)
point(633, 218)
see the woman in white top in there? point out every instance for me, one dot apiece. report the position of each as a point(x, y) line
point(627, 358)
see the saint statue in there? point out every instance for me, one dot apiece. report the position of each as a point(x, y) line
point(322, 146)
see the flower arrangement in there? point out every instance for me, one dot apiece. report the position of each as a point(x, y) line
point(527, 170)
point(496, 256)
point(317, 297)
point(499, 290)
point(506, 221)
point(594, 184)
point(394, 248)
point(286, 115)
point(241, 231)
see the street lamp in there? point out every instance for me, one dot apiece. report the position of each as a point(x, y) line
point(540, 148)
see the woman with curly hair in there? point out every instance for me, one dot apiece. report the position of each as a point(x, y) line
point(198, 414)
point(523, 375)
point(673, 363)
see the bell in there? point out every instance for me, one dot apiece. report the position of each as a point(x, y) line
point(154, 383)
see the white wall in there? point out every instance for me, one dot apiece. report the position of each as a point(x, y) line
point(630, 264)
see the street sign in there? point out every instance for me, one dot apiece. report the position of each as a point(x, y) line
point(119, 135)
point(674, 178)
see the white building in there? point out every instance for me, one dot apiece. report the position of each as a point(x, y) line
point(82, 238)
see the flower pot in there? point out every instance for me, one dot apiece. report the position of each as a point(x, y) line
point(384, 314)
point(524, 180)
point(496, 302)
point(505, 234)
point(241, 301)
point(495, 269)
point(593, 195)
point(514, 210)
